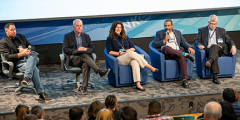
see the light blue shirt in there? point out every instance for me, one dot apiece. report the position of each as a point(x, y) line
point(213, 37)
point(79, 40)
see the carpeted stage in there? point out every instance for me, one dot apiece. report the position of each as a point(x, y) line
point(173, 97)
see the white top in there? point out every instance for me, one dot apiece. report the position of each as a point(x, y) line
point(172, 42)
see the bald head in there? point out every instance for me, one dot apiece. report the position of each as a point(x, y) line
point(212, 110)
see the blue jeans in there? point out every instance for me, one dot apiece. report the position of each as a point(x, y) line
point(28, 66)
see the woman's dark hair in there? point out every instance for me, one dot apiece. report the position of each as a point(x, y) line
point(21, 111)
point(228, 112)
point(37, 110)
point(94, 108)
point(112, 33)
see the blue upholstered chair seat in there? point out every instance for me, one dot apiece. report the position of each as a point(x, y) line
point(168, 69)
point(121, 75)
point(226, 65)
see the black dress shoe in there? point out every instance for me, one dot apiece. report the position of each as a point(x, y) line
point(103, 73)
point(43, 96)
point(141, 89)
point(215, 79)
point(209, 63)
point(190, 57)
point(25, 81)
point(185, 84)
point(156, 70)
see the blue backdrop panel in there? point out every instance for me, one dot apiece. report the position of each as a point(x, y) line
point(51, 32)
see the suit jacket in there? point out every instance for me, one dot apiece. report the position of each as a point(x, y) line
point(70, 45)
point(10, 51)
point(160, 36)
point(203, 36)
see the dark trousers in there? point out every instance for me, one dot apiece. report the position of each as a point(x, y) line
point(171, 54)
point(214, 52)
point(85, 62)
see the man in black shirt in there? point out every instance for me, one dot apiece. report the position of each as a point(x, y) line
point(16, 48)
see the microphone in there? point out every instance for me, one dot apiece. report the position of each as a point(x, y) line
point(167, 32)
point(29, 47)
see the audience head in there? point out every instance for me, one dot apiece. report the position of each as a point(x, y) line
point(21, 111)
point(228, 95)
point(213, 111)
point(128, 113)
point(31, 117)
point(117, 28)
point(212, 22)
point(75, 113)
point(77, 26)
point(111, 102)
point(38, 111)
point(154, 108)
point(94, 108)
point(228, 112)
point(104, 114)
point(168, 25)
point(10, 30)
point(236, 95)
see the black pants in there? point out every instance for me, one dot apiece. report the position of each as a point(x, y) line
point(214, 52)
point(85, 62)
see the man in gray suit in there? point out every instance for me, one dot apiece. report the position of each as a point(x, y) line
point(216, 43)
point(77, 41)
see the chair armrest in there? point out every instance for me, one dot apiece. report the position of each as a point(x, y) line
point(200, 56)
point(112, 62)
point(62, 60)
point(140, 51)
point(94, 56)
point(10, 67)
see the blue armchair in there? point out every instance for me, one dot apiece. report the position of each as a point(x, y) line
point(168, 69)
point(121, 75)
point(226, 64)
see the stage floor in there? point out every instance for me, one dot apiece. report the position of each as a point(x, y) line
point(53, 77)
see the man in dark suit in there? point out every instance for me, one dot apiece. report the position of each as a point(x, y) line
point(171, 42)
point(216, 43)
point(77, 41)
point(16, 48)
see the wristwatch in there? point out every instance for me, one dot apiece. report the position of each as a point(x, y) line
point(120, 52)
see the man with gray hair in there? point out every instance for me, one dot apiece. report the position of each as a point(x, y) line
point(216, 43)
point(75, 42)
point(212, 111)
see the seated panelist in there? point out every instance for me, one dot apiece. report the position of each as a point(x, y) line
point(78, 41)
point(17, 49)
point(216, 42)
point(119, 45)
point(171, 42)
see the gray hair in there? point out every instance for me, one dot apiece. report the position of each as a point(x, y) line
point(213, 110)
point(77, 20)
point(213, 18)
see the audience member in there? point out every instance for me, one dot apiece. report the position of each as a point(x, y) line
point(229, 95)
point(227, 111)
point(212, 111)
point(21, 111)
point(75, 113)
point(38, 111)
point(104, 114)
point(93, 109)
point(236, 95)
point(154, 110)
point(31, 117)
point(111, 104)
point(129, 113)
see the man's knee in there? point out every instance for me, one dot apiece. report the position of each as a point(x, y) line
point(85, 66)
